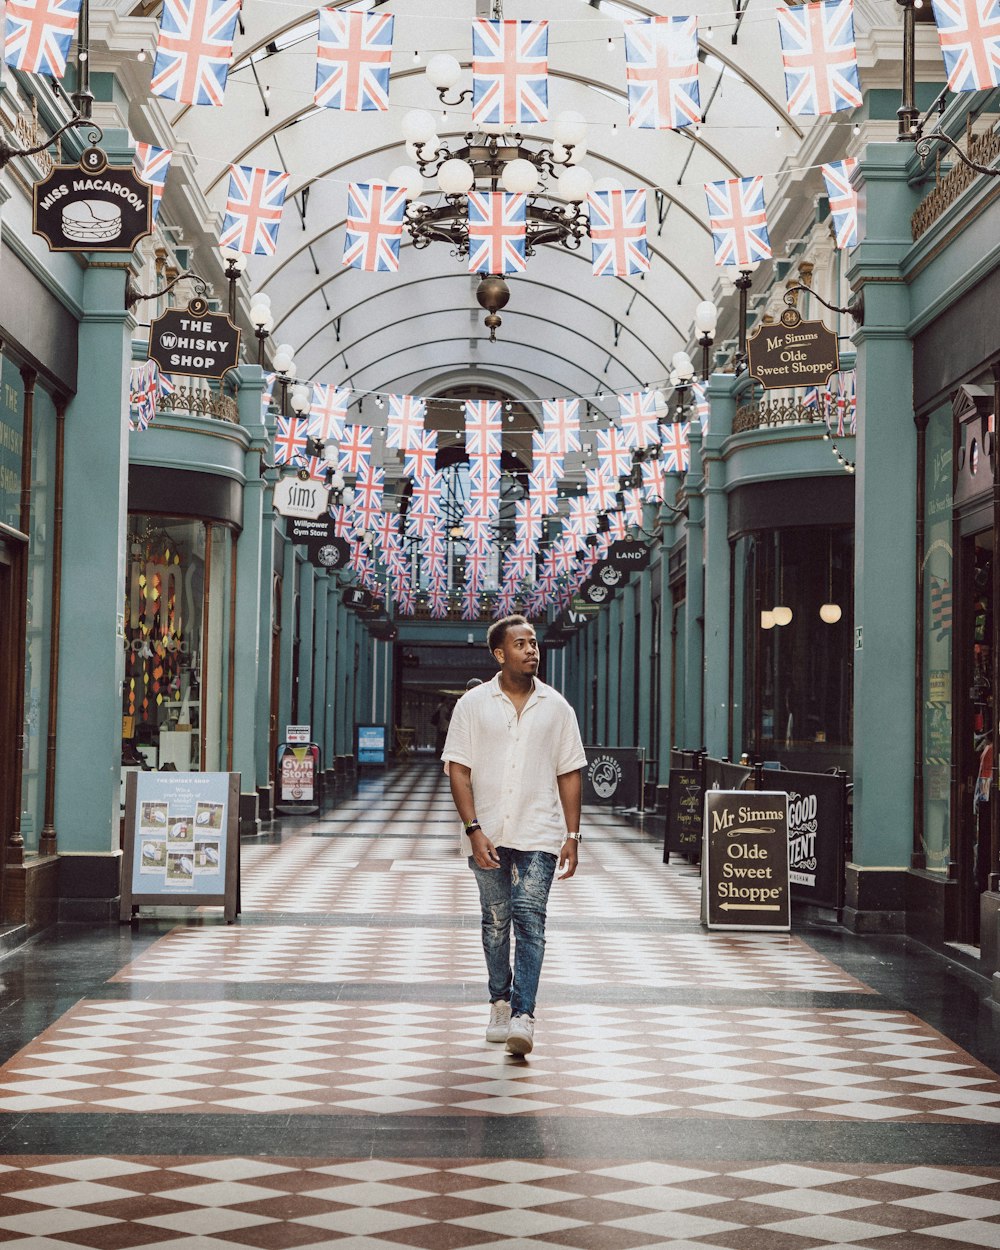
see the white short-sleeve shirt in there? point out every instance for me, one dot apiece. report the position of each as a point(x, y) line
point(515, 763)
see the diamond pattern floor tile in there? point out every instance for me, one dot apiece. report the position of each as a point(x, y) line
point(428, 1205)
point(403, 1058)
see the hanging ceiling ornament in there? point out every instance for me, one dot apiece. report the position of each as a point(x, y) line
point(497, 207)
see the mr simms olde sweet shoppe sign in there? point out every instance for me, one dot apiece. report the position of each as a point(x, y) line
point(794, 353)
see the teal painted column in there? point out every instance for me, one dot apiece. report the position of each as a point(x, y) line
point(626, 698)
point(613, 665)
point(350, 674)
point(668, 536)
point(307, 603)
point(717, 592)
point(252, 587)
point(694, 650)
point(647, 672)
point(289, 591)
point(885, 528)
point(92, 655)
point(321, 581)
point(334, 624)
point(265, 625)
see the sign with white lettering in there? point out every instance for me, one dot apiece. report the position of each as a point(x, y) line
point(295, 497)
point(194, 341)
point(745, 873)
point(324, 548)
point(629, 556)
point(795, 353)
point(92, 207)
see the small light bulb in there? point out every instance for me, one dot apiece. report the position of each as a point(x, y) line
point(611, 44)
point(416, 56)
point(777, 131)
point(142, 54)
point(857, 128)
point(82, 56)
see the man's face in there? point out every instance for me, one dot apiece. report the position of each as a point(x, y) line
point(519, 651)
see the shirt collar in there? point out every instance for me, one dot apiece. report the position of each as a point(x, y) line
point(540, 690)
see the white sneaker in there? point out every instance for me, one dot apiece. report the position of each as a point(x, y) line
point(496, 1030)
point(521, 1035)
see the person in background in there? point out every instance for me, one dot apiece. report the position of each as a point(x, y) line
point(440, 718)
point(515, 756)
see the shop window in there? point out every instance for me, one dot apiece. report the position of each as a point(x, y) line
point(176, 625)
point(937, 608)
point(798, 615)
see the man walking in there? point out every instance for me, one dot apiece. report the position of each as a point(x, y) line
point(515, 756)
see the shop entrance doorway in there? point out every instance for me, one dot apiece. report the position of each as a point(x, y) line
point(975, 725)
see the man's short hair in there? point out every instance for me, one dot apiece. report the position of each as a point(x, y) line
point(498, 630)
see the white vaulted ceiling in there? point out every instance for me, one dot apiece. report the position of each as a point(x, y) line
point(564, 331)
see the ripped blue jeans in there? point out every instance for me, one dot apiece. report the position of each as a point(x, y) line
point(517, 892)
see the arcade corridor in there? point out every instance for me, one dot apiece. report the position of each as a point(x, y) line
point(316, 1074)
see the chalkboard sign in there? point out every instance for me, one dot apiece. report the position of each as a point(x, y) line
point(745, 873)
point(181, 842)
point(684, 821)
point(614, 775)
point(816, 815)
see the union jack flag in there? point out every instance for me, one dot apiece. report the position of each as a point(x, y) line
point(702, 407)
point(637, 414)
point(497, 232)
point(510, 72)
point(737, 217)
point(253, 209)
point(405, 600)
point(581, 516)
point(483, 427)
point(632, 506)
point(547, 455)
point(368, 494)
point(527, 521)
point(820, 57)
point(193, 50)
point(478, 531)
point(618, 232)
point(602, 490)
point(438, 600)
point(343, 526)
point(352, 60)
point(290, 440)
point(561, 418)
point(405, 421)
point(470, 603)
point(374, 226)
point(355, 449)
point(545, 490)
point(425, 508)
point(328, 412)
point(661, 69)
point(843, 201)
point(151, 164)
point(266, 393)
point(38, 35)
point(144, 389)
point(676, 453)
point(484, 486)
point(420, 457)
point(617, 526)
point(840, 409)
point(653, 481)
point(969, 34)
point(614, 458)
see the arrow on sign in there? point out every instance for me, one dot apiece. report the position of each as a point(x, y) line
point(750, 907)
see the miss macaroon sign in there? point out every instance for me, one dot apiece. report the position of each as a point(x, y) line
point(92, 206)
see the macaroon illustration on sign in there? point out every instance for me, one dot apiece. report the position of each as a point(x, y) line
point(92, 207)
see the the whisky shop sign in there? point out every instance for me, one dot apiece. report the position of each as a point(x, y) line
point(194, 341)
point(793, 353)
point(92, 206)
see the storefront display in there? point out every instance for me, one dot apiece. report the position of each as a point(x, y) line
point(176, 613)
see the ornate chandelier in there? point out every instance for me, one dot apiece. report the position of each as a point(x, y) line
point(491, 159)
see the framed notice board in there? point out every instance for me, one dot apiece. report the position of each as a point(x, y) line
point(182, 842)
point(745, 865)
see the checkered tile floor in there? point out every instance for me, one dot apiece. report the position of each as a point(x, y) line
point(746, 1063)
point(382, 1204)
point(283, 953)
point(415, 877)
point(338, 916)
